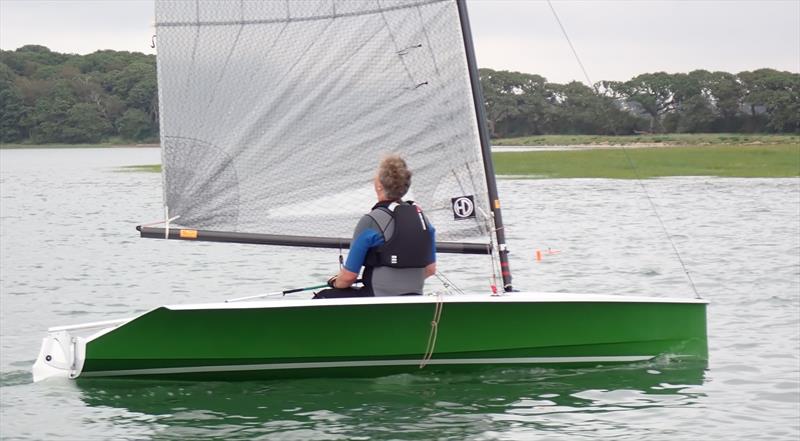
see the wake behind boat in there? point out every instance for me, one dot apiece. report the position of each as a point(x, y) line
point(272, 115)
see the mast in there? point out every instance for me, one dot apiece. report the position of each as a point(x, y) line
point(486, 148)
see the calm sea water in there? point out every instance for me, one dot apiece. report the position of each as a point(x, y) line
point(70, 254)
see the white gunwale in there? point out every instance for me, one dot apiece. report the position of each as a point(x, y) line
point(515, 297)
point(90, 325)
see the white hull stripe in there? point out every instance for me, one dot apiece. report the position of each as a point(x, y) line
point(367, 363)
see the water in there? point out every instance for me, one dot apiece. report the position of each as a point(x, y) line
point(70, 254)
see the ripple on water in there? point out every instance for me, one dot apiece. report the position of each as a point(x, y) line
point(16, 377)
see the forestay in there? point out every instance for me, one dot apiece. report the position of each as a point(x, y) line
point(274, 115)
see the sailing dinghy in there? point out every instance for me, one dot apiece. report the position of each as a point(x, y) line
point(273, 116)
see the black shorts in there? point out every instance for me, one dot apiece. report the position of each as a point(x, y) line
point(340, 293)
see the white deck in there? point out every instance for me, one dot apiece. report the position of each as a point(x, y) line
point(515, 297)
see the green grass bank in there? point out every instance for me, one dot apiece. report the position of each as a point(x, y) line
point(679, 139)
point(751, 161)
point(113, 142)
point(153, 168)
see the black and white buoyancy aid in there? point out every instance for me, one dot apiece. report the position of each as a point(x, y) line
point(410, 245)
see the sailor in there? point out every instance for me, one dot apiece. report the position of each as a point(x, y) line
point(395, 242)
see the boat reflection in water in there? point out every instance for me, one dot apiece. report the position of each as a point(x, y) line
point(493, 400)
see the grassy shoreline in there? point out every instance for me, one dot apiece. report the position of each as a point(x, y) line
point(99, 145)
point(150, 168)
point(745, 161)
point(672, 140)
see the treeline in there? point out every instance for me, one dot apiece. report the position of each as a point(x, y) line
point(764, 100)
point(49, 97)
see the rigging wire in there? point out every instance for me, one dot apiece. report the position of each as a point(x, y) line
point(492, 229)
point(447, 283)
point(574, 52)
point(628, 157)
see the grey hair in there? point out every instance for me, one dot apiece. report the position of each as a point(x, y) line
point(394, 176)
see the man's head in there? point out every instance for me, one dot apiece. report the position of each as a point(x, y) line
point(393, 178)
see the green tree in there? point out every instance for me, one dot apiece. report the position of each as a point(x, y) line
point(106, 61)
point(12, 106)
point(692, 109)
point(694, 115)
point(651, 94)
point(41, 55)
point(50, 112)
point(135, 124)
point(775, 96)
point(726, 94)
point(85, 123)
point(143, 95)
point(26, 60)
point(123, 81)
point(580, 109)
point(515, 102)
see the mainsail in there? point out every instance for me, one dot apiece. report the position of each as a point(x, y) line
point(275, 114)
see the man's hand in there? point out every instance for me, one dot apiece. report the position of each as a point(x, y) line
point(430, 270)
point(332, 281)
point(344, 279)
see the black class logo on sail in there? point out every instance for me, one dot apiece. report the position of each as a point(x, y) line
point(463, 207)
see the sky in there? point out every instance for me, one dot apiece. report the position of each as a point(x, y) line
point(615, 39)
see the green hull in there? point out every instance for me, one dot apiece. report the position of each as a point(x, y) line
point(357, 337)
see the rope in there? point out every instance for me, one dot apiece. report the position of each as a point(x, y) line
point(162, 221)
point(447, 283)
point(437, 315)
point(628, 158)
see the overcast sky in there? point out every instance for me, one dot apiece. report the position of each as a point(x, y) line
point(616, 39)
